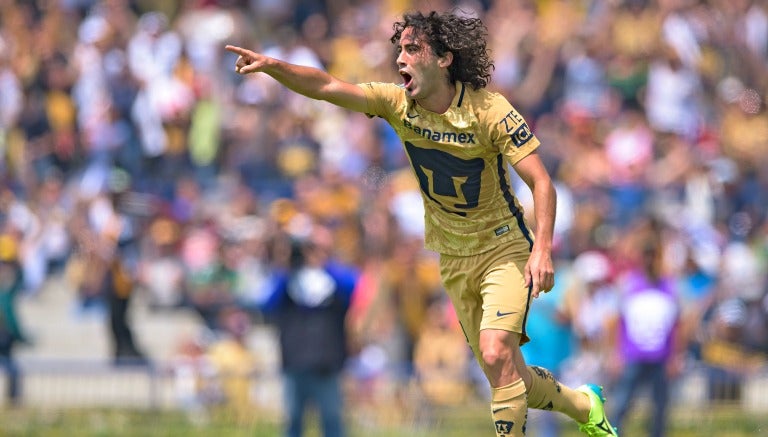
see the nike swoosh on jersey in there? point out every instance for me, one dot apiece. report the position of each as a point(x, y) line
point(500, 314)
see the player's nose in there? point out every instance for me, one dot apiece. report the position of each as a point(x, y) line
point(400, 59)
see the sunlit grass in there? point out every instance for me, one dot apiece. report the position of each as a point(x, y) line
point(465, 420)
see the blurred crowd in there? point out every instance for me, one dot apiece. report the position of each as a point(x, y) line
point(135, 160)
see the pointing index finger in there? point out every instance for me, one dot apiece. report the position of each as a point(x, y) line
point(237, 50)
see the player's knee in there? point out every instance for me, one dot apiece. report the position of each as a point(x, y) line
point(495, 355)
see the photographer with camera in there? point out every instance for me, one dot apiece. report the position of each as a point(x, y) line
point(309, 305)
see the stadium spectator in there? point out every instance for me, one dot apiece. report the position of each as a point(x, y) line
point(411, 282)
point(119, 286)
point(590, 301)
point(11, 283)
point(732, 329)
point(726, 360)
point(114, 261)
point(648, 350)
point(232, 363)
point(441, 359)
point(309, 305)
point(629, 150)
point(550, 324)
point(209, 282)
point(673, 96)
point(12, 94)
point(159, 270)
point(697, 289)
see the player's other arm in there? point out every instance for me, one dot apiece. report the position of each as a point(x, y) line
point(308, 81)
point(540, 269)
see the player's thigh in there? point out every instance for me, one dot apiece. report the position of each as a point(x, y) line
point(487, 290)
point(504, 293)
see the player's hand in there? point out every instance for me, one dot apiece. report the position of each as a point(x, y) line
point(247, 61)
point(540, 272)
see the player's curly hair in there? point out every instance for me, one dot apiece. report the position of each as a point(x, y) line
point(465, 37)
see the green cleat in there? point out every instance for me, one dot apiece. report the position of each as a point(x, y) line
point(597, 425)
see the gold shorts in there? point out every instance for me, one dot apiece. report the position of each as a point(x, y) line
point(488, 290)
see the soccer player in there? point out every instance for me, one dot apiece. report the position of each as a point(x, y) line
point(461, 140)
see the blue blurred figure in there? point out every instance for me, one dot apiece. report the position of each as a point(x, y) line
point(548, 324)
point(309, 306)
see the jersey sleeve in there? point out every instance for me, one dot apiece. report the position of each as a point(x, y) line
point(509, 132)
point(382, 98)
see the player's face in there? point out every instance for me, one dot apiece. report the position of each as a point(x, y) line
point(418, 65)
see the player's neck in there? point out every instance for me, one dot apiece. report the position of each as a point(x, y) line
point(440, 100)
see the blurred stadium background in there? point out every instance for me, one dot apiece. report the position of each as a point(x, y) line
point(126, 135)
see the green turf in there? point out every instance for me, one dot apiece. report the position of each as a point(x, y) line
point(462, 421)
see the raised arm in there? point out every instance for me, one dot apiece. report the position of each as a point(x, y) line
point(308, 81)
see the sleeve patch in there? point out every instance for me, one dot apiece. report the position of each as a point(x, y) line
point(522, 135)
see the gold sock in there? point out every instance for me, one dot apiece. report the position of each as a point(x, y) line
point(509, 409)
point(546, 393)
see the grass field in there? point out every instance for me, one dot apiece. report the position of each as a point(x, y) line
point(470, 420)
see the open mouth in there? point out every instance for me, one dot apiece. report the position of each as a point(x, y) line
point(407, 79)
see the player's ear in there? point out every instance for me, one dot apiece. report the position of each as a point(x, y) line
point(446, 60)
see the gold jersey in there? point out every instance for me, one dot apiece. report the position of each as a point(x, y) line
point(460, 159)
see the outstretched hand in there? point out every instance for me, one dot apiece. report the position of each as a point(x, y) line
point(248, 61)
